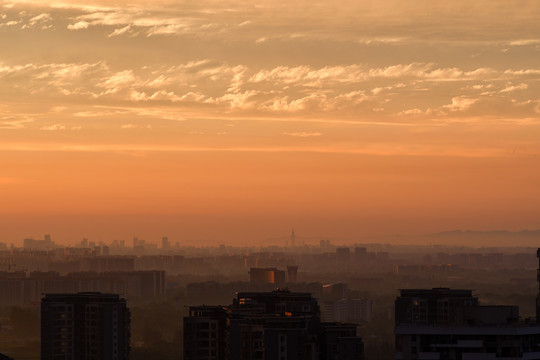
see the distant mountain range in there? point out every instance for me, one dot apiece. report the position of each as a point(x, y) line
point(468, 238)
point(487, 238)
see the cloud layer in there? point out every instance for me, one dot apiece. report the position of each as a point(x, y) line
point(387, 62)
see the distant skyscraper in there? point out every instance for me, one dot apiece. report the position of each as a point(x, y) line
point(292, 239)
point(90, 326)
point(165, 244)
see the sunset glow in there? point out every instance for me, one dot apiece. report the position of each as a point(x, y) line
point(233, 121)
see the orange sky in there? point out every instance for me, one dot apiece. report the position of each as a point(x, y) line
point(231, 122)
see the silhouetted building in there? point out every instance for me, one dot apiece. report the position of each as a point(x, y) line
point(442, 323)
point(292, 273)
point(347, 310)
point(339, 342)
point(271, 326)
point(204, 333)
point(334, 291)
point(343, 254)
point(267, 276)
point(435, 306)
point(360, 253)
point(165, 244)
point(292, 239)
point(19, 289)
point(45, 244)
point(325, 245)
point(538, 295)
point(92, 326)
point(108, 263)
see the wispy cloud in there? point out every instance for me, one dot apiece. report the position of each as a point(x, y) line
point(303, 134)
point(14, 121)
point(512, 88)
point(378, 149)
point(524, 42)
point(209, 83)
point(54, 127)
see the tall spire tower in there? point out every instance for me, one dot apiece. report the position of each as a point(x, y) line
point(292, 239)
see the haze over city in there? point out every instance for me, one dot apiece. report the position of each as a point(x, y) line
point(232, 121)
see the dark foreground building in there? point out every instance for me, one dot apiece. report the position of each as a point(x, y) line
point(277, 325)
point(84, 326)
point(449, 324)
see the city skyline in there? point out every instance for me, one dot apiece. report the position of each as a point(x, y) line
point(230, 122)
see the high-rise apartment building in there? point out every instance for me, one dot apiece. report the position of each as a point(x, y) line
point(448, 324)
point(204, 333)
point(84, 326)
point(276, 325)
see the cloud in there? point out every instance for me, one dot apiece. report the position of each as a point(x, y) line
point(28, 21)
point(524, 42)
point(120, 31)
point(391, 22)
point(106, 113)
point(523, 72)
point(10, 23)
point(54, 127)
point(414, 111)
point(135, 126)
point(39, 19)
point(512, 88)
point(303, 134)
point(118, 81)
point(344, 90)
point(460, 103)
point(79, 25)
point(165, 29)
point(135, 20)
point(67, 79)
point(346, 74)
point(379, 149)
point(14, 121)
point(315, 101)
point(237, 100)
